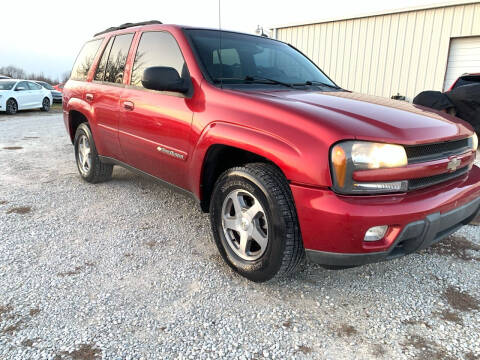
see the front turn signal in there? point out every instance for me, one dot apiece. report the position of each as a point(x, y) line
point(339, 161)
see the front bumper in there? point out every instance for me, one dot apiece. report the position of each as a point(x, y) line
point(415, 236)
point(333, 226)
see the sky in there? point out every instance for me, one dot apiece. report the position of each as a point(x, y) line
point(47, 35)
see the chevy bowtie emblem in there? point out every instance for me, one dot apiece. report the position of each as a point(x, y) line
point(453, 164)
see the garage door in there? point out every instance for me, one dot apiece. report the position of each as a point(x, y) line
point(464, 57)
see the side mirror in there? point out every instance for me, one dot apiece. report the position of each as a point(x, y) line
point(163, 78)
point(20, 88)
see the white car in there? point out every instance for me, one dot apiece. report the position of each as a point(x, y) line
point(22, 95)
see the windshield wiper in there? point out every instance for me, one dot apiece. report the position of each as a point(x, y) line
point(253, 79)
point(263, 80)
point(313, 82)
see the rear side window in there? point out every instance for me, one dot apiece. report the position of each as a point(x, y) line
point(100, 72)
point(157, 48)
point(34, 86)
point(117, 59)
point(85, 60)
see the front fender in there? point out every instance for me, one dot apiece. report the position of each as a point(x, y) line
point(286, 156)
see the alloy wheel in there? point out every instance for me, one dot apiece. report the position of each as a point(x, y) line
point(46, 104)
point(12, 106)
point(245, 225)
point(84, 158)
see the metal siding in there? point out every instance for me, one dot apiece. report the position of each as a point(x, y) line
point(383, 55)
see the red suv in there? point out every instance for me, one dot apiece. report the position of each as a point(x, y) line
point(287, 163)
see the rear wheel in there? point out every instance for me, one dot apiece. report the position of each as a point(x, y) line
point(12, 107)
point(89, 165)
point(254, 222)
point(45, 105)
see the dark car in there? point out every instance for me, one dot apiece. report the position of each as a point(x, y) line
point(56, 95)
point(287, 163)
point(466, 79)
point(4, 77)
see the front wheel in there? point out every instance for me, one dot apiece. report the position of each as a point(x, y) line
point(45, 105)
point(12, 107)
point(254, 222)
point(89, 165)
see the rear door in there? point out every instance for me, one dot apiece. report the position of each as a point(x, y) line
point(103, 93)
point(22, 95)
point(36, 94)
point(155, 128)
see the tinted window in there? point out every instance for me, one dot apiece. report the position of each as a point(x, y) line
point(117, 59)
point(467, 80)
point(238, 56)
point(100, 72)
point(157, 48)
point(22, 86)
point(85, 60)
point(34, 86)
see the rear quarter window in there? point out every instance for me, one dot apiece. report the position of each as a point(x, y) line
point(85, 60)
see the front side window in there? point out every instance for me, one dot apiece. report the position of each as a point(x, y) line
point(235, 58)
point(157, 48)
point(85, 60)
point(22, 86)
point(117, 59)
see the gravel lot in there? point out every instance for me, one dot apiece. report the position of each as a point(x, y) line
point(128, 269)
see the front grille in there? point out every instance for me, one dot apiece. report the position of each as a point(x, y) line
point(429, 152)
point(415, 184)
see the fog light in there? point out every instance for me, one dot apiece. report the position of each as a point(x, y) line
point(376, 233)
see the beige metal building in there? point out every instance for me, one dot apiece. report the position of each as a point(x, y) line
point(400, 52)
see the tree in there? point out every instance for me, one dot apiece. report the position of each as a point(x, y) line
point(13, 72)
point(18, 73)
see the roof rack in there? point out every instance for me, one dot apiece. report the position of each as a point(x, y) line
point(128, 25)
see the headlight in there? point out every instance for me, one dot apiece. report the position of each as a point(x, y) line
point(349, 156)
point(474, 142)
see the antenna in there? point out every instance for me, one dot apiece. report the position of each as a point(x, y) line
point(220, 40)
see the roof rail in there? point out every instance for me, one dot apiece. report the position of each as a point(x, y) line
point(128, 25)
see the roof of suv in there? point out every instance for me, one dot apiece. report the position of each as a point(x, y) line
point(154, 24)
point(129, 25)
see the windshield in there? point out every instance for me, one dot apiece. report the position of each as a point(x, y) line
point(46, 85)
point(7, 85)
point(246, 59)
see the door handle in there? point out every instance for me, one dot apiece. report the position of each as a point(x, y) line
point(89, 96)
point(128, 105)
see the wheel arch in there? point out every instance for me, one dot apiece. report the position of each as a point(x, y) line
point(75, 118)
point(75, 112)
point(223, 146)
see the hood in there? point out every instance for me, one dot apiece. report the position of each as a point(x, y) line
point(363, 117)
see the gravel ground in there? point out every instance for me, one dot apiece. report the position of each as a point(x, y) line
point(128, 270)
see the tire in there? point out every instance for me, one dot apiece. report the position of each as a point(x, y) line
point(11, 107)
point(89, 166)
point(268, 211)
point(45, 105)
